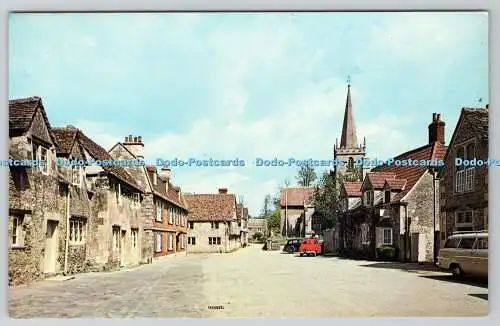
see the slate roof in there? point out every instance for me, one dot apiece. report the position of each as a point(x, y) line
point(211, 207)
point(65, 138)
point(295, 196)
point(478, 119)
point(95, 151)
point(21, 114)
point(353, 188)
point(413, 173)
point(171, 195)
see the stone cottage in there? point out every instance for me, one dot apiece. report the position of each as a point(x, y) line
point(399, 205)
point(115, 228)
point(242, 218)
point(464, 189)
point(296, 208)
point(212, 222)
point(38, 198)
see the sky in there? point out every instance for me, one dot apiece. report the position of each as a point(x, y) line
point(250, 85)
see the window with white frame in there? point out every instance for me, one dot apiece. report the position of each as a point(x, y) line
point(463, 220)
point(215, 225)
point(76, 175)
point(158, 241)
point(384, 237)
point(41, 153)
point(364, 234)
point(159, 210)
point(214, 241)
point(16, 235)
point(464, 175)
point(191, 241)
point(191, 225)
point(77, 232)
point(171, 216)
point(136, 200)
point(170, 241)
point(134, 234)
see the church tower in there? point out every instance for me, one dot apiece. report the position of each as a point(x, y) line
point(349, 151)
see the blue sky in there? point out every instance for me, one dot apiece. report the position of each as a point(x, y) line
point(250, 85)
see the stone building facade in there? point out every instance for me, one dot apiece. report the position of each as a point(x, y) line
point(464, 189)
point(212, 222)
point(399, 205)
point(257, 225)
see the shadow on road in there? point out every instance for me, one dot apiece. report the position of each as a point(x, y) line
point(404, 266)
point(473, 281)
point(483, 296)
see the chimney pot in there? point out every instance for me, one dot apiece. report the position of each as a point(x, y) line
point(139, 139)
point(433, 117)
point(129, 138)
point(487, 105)
point(222, 190)
point(438, 117)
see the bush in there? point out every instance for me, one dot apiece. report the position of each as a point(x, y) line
point(387, 253)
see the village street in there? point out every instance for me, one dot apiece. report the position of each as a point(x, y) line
point(250, 283)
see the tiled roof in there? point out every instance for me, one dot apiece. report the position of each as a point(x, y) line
point(478, 119)
point(22, 112)
point(413, 173)
point(171, 195)
point(353, 188)
point(396, 184)
point(256, 222)
point(377, 178)
point(100, 153)
point(211, 207)
point(296, 196)
point(65, 138)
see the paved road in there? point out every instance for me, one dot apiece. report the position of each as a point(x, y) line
point(252, 283)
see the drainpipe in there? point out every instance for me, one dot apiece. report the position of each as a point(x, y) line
point(405, 256)
point(434, 211)
point(286, 211)
point(66, 246)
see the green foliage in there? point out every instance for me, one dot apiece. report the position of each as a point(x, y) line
point(306, 176)
point(387, 253)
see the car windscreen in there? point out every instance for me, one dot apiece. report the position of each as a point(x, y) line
point(452, 243)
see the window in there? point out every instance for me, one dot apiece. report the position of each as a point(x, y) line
point(464, 176)
point(76, 175)
point(76, 231)
point(191, 225)
point(159, 210)
point(170, 241)
point(41, 153)
point(387, 196)
point(215, 225)
point(134, 235)
point(384, 237)
point(463, 220)
point(466, 243)
point(136, 200)
point(116, 237)
point(214, 241)
point(158, 242)
point(171, 216)
point(16, 237)
point(183, 238)
point(350, 164)
point(192, 240)
point(387, 237)
point(452, 243)
point(482, 244)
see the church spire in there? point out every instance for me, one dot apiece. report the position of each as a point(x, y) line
point(348, 139)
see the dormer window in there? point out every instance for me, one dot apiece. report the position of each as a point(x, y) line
point(368, 198)
point(387, 196)
point(41, 154)
point(76, 175)
point(155, 179)
point(464, 175)
point(136, 201)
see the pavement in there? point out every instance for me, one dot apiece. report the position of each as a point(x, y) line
point(254, 283)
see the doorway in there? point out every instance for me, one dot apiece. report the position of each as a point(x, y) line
point(50, 249)
point(122, 248)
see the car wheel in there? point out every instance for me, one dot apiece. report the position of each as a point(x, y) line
point(314, 254)
point(301, 255)
point(456, 270)
point(290, 250)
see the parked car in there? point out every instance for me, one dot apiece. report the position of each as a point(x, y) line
point(465, 253)
point(310, 247)
point(292, 246)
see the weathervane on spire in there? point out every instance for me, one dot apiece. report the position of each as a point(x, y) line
point(348, 81)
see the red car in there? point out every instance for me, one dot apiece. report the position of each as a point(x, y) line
point(310, 247)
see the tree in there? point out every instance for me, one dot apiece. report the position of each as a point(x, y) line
point(306, 175)
point(267, 204)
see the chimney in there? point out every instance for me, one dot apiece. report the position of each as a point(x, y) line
point(222, 190)
point(487, 106)
point(165, 173)
point(134, 145)
point(436, 129)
